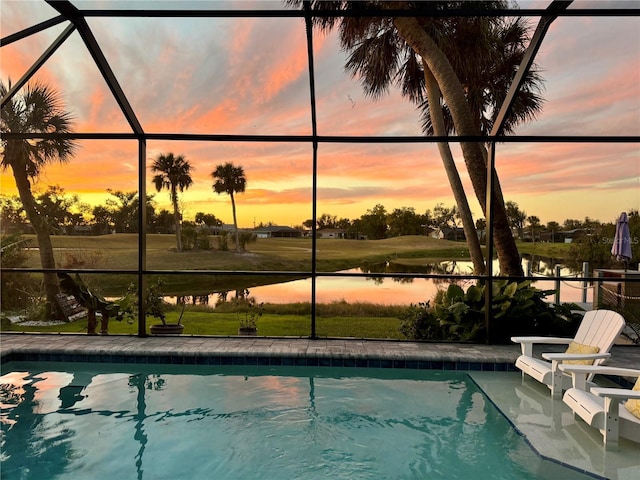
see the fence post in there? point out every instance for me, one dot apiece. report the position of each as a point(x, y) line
point(597, 289)
point(557, 284)
point(585, 274)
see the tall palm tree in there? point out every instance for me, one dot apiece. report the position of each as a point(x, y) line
point(475, 154)
point(174, 174)
point(503, 45)
point(36, 109)
point(230, 179)
point(407, 51)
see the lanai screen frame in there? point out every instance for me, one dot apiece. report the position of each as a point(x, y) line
point(77, 22)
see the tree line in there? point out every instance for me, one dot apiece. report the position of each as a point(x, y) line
point(67, 215)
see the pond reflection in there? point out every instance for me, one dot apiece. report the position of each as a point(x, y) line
point(382, 290)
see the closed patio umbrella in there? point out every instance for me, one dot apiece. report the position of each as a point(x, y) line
point(622, 240)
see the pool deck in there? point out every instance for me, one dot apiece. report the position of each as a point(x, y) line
point(278, 351)
point(547, 424)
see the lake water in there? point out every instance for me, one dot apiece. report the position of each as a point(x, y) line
point(389, 291)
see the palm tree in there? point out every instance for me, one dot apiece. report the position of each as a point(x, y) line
point(475, 155)
point(174, 174)
point(386, 50)
point(37, 109)
point(534, 225)
point(230, 179)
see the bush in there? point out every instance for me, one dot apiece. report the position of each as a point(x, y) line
point(19, 291)
point(189, 237)
point(517, 309)
point(223, 240)
point(245, 238)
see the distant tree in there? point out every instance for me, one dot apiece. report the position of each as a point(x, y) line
point(165, 221)
point(12, 215)
point(36, 109)
point(534, 226)
point(58, 209)
point(120, 214)
point(327, 221)
point(102, 220)
point(173, 173)
point(343, 223)
point(447, 217)
point(516, 217)
point(594, 249)
point(405, 221)
point(230, 179)
point(265, 224)
point(207, 219)
point(552, 228)
point(571, 224)
point(590, 224)
point(124, 210)
point(373, 224)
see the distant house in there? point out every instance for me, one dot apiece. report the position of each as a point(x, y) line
point(277, 232)
point(218, 229)
point(448, 233)
point(564, 236)
point(331, 233)
point(83, 230)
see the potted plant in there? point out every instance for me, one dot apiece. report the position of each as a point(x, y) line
point(252, 310)
point(155, 307)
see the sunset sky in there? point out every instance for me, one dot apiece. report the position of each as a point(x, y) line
point(250, 76)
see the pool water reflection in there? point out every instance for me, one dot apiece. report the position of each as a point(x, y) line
point(137, 421)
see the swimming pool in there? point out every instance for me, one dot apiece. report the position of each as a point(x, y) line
point(98, 421)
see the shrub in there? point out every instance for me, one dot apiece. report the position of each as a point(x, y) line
point(19, 291)
point(189, 237)
point(245, 238)
point(223, 240)
point(516, 309)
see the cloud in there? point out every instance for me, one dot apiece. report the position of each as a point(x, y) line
point(250, 76)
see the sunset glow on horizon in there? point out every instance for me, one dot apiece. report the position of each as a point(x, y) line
point(250, 76)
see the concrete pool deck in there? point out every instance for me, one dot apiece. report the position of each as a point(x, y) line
point(547, 424)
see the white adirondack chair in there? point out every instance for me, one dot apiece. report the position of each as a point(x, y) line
point(599, 328)
point(603, 408)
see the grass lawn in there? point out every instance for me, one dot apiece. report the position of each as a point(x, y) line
point(120, 252)
point(226, 324)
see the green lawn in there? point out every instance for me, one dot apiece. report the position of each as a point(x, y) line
point(225, 324)
point(120, 252)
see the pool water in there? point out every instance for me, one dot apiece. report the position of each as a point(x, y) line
point(97, 421)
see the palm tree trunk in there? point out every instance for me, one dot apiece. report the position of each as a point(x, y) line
point(235, 222)
point(45, 248)
point(474, 152)
point(437, 120)
point(176, 218)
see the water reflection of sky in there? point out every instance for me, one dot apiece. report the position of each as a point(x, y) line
point(392, 291)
